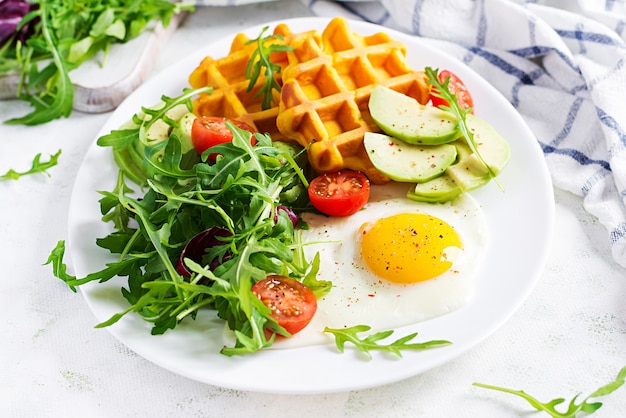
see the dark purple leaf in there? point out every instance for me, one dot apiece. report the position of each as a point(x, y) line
point(290, 213)
point(11, 14)
point(197, 246)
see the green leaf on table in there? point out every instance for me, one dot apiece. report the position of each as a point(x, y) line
point(573, 408)
point(37, 166)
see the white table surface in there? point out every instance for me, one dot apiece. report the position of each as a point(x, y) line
point(568, 337)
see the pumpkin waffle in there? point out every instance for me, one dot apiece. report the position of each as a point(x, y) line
point(326, 89)
point(230, 97)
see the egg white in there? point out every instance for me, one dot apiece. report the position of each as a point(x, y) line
point(360, 297)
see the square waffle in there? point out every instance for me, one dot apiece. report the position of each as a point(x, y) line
point(326, 89)
point(326, 82)
point(230, 97)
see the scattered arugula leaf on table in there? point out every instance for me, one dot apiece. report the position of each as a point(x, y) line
point(37, 166)
point(373, 341)
point(61, 36)
point(443, 91)
point(260, 59)
point(572, 408)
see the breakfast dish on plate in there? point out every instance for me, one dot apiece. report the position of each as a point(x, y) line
point(256, 212)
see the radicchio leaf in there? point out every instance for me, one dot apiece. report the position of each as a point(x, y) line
point(290, 213)
point(11, 14)
point(197, 245)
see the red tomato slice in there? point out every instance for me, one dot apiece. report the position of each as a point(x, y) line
point(292, 303)
point(208, 131)
point(341, 193)
point(457, 86)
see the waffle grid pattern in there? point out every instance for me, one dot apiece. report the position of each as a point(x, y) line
point(326, 82)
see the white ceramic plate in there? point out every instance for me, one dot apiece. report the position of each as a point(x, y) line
point(515, 256)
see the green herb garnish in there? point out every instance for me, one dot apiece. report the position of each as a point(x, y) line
point(373, 341)
point(65, 34)
point(260, 61)
point(441, 90)
point(37, 166)
point(573, 408)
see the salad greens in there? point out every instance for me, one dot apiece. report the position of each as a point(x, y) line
point(248, 192)
point(572, 408)
point(56, 37)
point(37, 166)
point(443, 91)
point(261, 59)
point(183, 197)
point(135, 153)
point(372, 341)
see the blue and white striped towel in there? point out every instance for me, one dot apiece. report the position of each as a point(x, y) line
point(561, 63)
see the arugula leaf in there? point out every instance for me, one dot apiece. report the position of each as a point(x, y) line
point(572, 408)
point(56, 101)
point(111, 207)
point(372, 341)
point(59, 269)
point(37, 166)
point(441, 90)
point(260, 60)
point(65, 34)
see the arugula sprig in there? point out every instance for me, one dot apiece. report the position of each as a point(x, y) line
point(57, 93)
point(261, 61)
point(573, 408)
point(37, 166)
point(443, 91)
point(373, 341)
point(65, 34)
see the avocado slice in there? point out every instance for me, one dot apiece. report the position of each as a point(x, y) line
point(402, 117)
point(438, 190)
point(404, 162)
point(183, 132)
point(469, 173)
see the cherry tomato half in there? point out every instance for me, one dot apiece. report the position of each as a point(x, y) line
point(208, 131)
point(292, 303)
point(457, 86)
point(341, 193)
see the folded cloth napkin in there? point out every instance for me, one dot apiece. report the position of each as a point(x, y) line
point(560, 63)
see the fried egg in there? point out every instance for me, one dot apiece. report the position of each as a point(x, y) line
point(394, 263)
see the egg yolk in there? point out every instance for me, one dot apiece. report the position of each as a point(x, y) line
point(408, 248)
